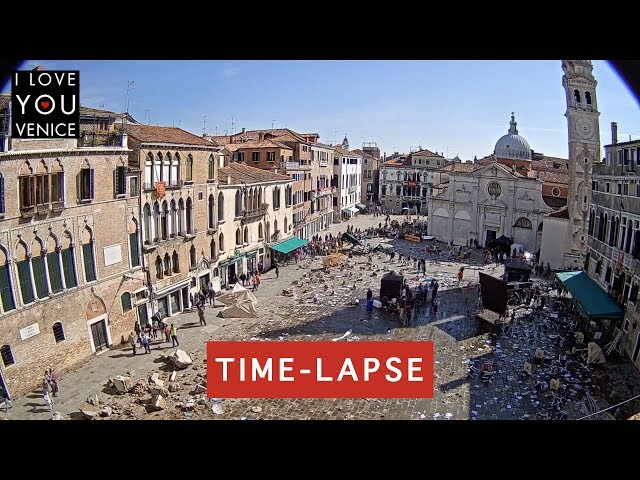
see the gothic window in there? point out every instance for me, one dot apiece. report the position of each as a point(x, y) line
point(175, 261)
point(576, 95)
point(125, 300)
point(587, 98)
point(158, 267)
point(220, 207)
point(6, 293)
point(221, 242)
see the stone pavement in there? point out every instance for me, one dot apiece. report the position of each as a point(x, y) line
point(322, 311)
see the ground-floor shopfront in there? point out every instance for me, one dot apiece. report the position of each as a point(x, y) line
point(243, 262)
point(171, 300)
point(315, 226)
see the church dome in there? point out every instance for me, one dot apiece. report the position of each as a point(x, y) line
point(512, 145)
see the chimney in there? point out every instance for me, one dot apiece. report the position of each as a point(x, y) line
point(228, 179)
point(614, 133)
point(260, 136)
point(243, 129)
point(39, 68)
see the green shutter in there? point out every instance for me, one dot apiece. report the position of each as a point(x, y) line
point(69, 270)
point(40, 276)
point(55, 277)
point(24, 277)
point(133, 248)
point(89, 267)
point(5, 289)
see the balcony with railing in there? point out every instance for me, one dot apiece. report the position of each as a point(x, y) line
point(255, 214)
point(170, 185)
point(353, 189)
point(100, 139)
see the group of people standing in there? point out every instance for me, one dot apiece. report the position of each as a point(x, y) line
point(143, 337)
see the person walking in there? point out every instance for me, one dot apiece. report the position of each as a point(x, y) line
point(53, 379)
point(369, 294)
point(134, 339)
point(145, 343)
point(201, 315)
point(243, 278)
point(277, 271)
point(167, 333)
point(460, 273)
point(174, 337)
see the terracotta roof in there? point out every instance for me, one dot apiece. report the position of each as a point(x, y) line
point(251, 144)
point(220, 140)
point(241, 173)
point(560, 213)
point(554, 177)
point(174, 135)
point(322, 145)
point(281, 134)
point(426, 153)
point(554, 202)
point(346, 153)
point(460, 168)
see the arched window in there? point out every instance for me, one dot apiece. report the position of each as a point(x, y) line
point(238, 236)
point(267, 232)
point(175, 170)
point(189, 173)
point(212, 168)
point(260, 231)
point(173, 219)
point(134, 243)
point(157, 221)
point(158, 267)
point(214, 252)
point(189, 216)
point(166, 166)
point(39, 270)
point(587, 98)
point(592, 217)
point(221, 242)
point(180, 217)
point(164, 219)
point(157, 168)
point(147, 221)
point(125, 301)
point(175, 260)
point(523, 222)
point(192, 257)
point(68, 261)
point(148, 171)
point(275, 228)
point(238, 211)
point(540, 227)
point(576, 95)
point(220, 207)
point(53, 264)
point(211, 214)
point(7, 302)
point(607, 274)
point(246, 235)
point(1, 194)
point(7, 355)
point(286, 225)
point(167, 264)
point(58, 329)
point(87, 255)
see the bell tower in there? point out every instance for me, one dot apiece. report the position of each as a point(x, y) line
point(584, 149)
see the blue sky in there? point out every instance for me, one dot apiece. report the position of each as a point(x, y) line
point(459, 107)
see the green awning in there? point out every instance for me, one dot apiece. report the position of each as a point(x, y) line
point(595, 302)
point(289, 245)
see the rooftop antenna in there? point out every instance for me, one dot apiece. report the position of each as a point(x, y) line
point(129, 88)
point(102, 106)
point(273, 122)
point(146, 114)
point(226, 129)
point(204, 125)
point(216, 130)
point(335, 137)
point(179, 122)
point(233, 125)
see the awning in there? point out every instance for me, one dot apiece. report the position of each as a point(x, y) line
point(594, 300)
point(289, 245)
point(361, 206)
point(350, 210)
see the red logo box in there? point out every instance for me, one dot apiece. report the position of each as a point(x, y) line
point(320, 369)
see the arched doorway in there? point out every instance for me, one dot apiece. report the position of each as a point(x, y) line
point(97, 325)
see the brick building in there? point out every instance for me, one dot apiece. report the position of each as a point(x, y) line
point(69, 255)
point(178, 207)
point(370, 176)
point(322, 192)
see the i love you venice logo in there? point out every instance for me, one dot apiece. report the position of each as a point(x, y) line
point(45, 104)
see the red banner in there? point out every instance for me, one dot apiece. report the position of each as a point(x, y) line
point(161, 188)
point(320, 369)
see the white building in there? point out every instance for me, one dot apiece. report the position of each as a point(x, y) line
point(484, 202)
point(252, 216)
point(347, 176)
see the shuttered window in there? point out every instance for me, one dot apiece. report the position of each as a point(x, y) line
point(133, 248)
point(40, 276)
point(125, 298)
point(55, 277)
point(68, 267)
point(89, 264)
point(5, 289)
point(24, 278)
